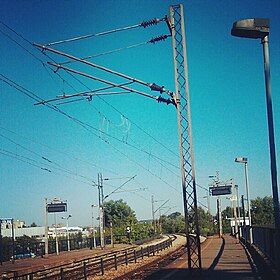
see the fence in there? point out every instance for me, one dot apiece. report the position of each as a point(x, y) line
point(94, 266)
point(24, 248)
point(264, 238)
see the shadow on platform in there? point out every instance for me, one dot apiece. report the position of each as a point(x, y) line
point(183, 273)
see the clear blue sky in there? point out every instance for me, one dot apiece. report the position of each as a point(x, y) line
point(126, 135)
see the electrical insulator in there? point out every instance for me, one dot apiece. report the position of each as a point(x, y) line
point(159, 38)
point(156, 87)
point(150, 22)
point(165, 100)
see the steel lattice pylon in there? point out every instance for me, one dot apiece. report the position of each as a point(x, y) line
point(185, 136)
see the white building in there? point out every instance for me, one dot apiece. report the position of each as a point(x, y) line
point(36, 232)
point(62, 231)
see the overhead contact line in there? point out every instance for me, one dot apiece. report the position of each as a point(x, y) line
point(144, 24)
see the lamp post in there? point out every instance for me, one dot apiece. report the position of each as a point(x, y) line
point(258, 28)
point(245, 161)
point(67, 231)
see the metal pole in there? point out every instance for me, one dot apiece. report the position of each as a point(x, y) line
point(153, 215)
point(13, 238)
point(248, 204)
point(67, 230)
point(101, 213)
point(271, 132)
point(93, 227)
point(112, 236)
point(220, 216)
point(46, 228)
point(272, 148)
point(94, 238)
point(238, 210)
point(185, 136)
point(244, 218)
point(1, 244)
point(56, 239)
point(234, 211)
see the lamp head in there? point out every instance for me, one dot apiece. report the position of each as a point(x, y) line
point(241, 160)
point(251, 28)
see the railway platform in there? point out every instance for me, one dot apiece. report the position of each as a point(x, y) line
point(222, 258)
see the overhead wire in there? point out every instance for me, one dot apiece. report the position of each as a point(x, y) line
point(152, 41)
point(53, 107)
point(61, 152)
point(59, 167)
point(85, 126)
point(143, 24)
point(107, 103)
point(31, 162)
point(152, 86)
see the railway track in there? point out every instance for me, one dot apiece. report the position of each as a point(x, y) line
point(151, 267)
point(96, 265)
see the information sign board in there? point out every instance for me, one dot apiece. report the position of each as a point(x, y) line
point(220, 190)
point(57, 207)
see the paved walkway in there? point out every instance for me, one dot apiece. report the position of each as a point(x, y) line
point(222, 258)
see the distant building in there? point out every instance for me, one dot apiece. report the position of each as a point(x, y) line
point(62, 231)
point(7, 224)
point(35, 232)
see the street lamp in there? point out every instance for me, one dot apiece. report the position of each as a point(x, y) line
point(67, 231)
point(245, 161)
point(258, 28)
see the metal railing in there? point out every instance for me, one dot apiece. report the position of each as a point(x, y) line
point(264, 238)
point(95, 265)
point(22, 249)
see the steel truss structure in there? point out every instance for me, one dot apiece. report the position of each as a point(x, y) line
point(180, 100)
point(185, 136)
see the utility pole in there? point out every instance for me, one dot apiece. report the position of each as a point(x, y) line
point(215, 183)
point(234, 210)
point(46, 228)
point(244, 218)
point(112, 236)
point(153, 215)
point(182, 101)
point(219, 217)
point(101, 209)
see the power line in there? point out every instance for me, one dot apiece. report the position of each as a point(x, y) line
point(143, 24)
point(25, 160)
point(53, 107)
point(64, 81)
point(152, 86)
point(60, 152)
point(84, 125)
point(152, 41)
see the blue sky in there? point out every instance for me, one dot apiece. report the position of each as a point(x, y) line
point(126, 135)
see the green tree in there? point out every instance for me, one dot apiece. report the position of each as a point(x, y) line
point(33, 225)
point(203, 221)
point(119, 213)
point(227, 213)
point(262, 211)
point(173, 223)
